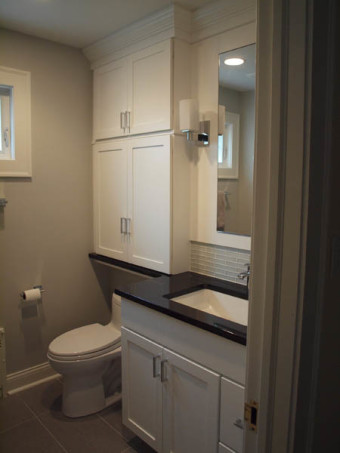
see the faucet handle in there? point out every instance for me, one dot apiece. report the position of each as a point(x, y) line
point(245, 274)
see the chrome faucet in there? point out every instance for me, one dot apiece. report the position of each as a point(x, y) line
point(245, 274)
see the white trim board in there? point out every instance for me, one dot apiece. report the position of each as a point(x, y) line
point(24, 379)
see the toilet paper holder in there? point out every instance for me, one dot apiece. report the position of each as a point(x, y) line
point(22, 294)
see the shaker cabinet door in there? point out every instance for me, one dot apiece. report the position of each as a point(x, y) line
point(110, 100)
point(150, 89)
point(150, 203)
point(190, 406)
point(232, 415)
point(110, 198)
point(142, 388)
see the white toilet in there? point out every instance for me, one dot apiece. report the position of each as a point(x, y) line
point(82, 356)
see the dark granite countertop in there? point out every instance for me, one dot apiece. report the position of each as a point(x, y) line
point(156, 293)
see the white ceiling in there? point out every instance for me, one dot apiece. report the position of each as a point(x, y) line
point(79, 23)
point(239, 78)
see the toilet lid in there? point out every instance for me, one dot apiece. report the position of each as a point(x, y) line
point(85, 340)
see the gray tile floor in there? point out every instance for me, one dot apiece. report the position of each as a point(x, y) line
point(32, 421)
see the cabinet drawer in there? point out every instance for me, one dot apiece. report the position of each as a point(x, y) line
point(232, 415)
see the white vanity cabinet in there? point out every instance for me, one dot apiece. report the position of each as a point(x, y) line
point(169, 401)
point(141, 215)
point(179, 389)
point(132, 95)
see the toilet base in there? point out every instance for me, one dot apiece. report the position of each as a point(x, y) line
point(85, 395)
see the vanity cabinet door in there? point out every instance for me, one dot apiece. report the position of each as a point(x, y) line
point(190, 405)
point(149, 102)
point(150, 203)
point(110, 96)
point(232, 415)
point(142, 387)
point(110, 173)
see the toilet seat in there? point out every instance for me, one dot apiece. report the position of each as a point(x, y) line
point(85, 342)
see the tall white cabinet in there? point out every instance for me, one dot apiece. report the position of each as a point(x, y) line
point(141, 167)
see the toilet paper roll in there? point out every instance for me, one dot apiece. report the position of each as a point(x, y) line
point(31, 294)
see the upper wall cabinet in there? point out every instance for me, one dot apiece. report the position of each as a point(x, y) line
point(141, 201)
point(133, 95)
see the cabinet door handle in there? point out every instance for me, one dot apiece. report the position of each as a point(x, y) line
point(128, 226)
point(154, 366)
point(163, 371)
point(127, 116)
point(239, 423)
point(123, 225)
point(122, 121)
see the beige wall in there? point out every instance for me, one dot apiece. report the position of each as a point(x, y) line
point(46, 228)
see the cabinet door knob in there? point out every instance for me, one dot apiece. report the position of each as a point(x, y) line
point(163, 371)
point(122, 120)
point(154, 366)
point(128, 226)
point(123, 225)
point(239, 423)
point(127, 116)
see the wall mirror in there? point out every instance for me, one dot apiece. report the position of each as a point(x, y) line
point(236, 133)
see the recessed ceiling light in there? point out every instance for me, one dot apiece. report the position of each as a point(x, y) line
point(234, 61)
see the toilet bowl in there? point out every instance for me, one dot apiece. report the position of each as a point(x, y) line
point(83, 356)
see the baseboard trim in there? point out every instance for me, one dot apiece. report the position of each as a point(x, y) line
point(24, 379)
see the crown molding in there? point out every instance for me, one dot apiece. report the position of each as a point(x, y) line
point(172, 22)
point(165, 24)
point(220, 16)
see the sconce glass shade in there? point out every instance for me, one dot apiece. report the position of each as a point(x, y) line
point(188, 115)
point(221, 119)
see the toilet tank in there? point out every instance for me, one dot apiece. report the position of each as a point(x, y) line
point(116, 310)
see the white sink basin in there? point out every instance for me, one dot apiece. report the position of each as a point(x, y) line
point(218, 304)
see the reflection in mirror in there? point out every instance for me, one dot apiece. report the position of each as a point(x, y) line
point(5, 122)
point(236, 141)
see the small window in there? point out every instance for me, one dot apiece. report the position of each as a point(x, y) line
point(6, 122)
point(15, 123)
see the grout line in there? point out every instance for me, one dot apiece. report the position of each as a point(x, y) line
point(112, 427)
point(45, 428)
point(15, 426)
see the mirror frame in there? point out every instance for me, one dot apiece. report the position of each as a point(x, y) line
point(205, 88)
point(232, 40)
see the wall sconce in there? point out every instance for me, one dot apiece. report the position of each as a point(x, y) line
point(197, 131)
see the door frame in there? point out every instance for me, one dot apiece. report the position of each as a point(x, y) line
point(280, 216)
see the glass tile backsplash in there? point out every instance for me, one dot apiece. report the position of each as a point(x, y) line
point(220, 262)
